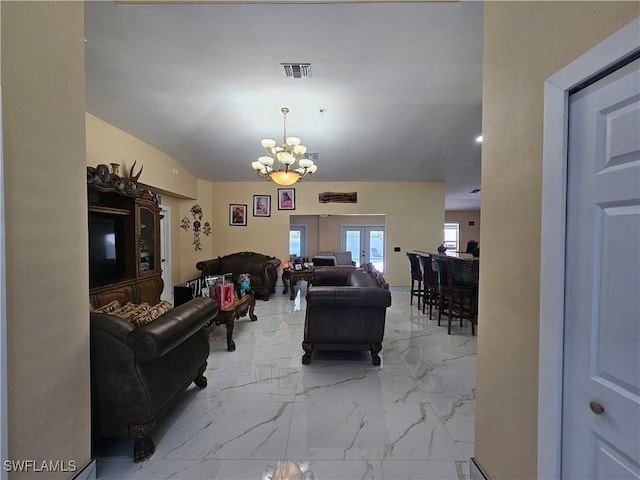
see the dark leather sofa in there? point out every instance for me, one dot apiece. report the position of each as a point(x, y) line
point(137, 374)
point(346, 310)
point(262, 268)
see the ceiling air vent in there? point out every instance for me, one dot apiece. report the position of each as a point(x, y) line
point(297, 70)
point(312, 156)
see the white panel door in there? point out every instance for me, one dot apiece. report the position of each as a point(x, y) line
point(366, 244)
point(165, 253)
point(601, 377)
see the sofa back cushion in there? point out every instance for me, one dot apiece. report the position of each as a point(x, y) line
point(237, 265)
point(334, 276)
point(360, 278)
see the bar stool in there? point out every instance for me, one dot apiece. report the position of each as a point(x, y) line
point(416, 276)
point(430, 294)
point(456, 299)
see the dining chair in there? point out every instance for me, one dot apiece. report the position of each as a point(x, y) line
point(416, 277)
point(430, 294)
point(456, 299)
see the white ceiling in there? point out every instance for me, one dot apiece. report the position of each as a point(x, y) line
point(400, 84)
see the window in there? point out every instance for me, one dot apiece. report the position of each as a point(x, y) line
point(298, 240)
point(451, 236)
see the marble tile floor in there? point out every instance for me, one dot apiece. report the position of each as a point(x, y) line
point(339, 418)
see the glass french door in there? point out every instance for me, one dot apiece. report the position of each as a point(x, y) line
point(366, 244)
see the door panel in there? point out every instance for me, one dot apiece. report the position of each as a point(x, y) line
point(366, 244)
point(602, 313)
point(352, 240)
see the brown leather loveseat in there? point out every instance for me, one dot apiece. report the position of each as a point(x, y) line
point(346, 310)
point(137, 374)
point(262, 268)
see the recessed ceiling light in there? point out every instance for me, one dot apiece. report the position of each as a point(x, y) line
point(479, 139)
point(475, 190)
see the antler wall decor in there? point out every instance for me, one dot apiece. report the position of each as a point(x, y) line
point(100, 176)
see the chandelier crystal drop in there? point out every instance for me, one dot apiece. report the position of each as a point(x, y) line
point(291, 166)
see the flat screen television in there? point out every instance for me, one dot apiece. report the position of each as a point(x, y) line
point(107, 256)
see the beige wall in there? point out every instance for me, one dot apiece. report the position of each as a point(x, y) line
point(414, 213)
point(46, 235)
point(524, 43)
point(108, 144)
point(187, 255)
point(463, 218)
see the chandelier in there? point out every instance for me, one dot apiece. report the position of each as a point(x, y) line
point(292, 166)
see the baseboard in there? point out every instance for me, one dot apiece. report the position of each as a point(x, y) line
point(475, 472)
point(88, 473)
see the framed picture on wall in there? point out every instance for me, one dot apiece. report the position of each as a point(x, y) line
point(262, 205)
point(238, 214)
point(286, 199)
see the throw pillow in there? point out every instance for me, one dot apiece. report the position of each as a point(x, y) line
point(108, 308)
point(130, 309)
point(141, 318)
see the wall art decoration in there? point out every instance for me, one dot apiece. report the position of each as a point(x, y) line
point(286, 199)
point(262, 205)
point(197, 225)
point(196, 235)
point(196, 212)
point(338, 197)
point(238, 214)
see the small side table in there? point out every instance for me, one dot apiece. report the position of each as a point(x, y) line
point(291, 277)
point(239, 308)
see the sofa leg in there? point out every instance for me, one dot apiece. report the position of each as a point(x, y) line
point(143, 446)
point(308, 350)
point(375, 350)
point(200, 380)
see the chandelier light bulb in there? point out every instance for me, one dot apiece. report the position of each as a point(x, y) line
point(299, 150)
point(268, 143)
point(286, 158)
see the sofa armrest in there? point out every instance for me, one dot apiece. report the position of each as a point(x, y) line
point(171, 329)
point(112, 325)
point(339, 297)
point(273, 262)
point(210, 267)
